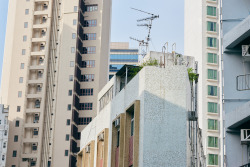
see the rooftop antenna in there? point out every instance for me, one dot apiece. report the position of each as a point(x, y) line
point(143, 44)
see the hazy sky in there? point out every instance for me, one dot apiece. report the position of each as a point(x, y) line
point(168, 28)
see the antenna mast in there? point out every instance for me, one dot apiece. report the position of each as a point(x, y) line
point(143, 45)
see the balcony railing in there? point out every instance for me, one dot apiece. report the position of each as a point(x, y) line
point(243, 82)
point(246, 165)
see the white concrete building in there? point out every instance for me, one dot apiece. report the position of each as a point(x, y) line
point(202, 40)
point(4, 132)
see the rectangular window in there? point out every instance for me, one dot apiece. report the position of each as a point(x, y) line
point(75, 8)
point(67, 138)
point(90, 23)
point(213, 159)
point(86, 92)
point(13, 165)
point(70, 93)
point(66, 153)
point(213, 141)
point(72, 63)
point(20, 79)
point(85, 120)
point(23, 51)
point(68, 122)
point(211, 11)
point(69, 107)
point(89, 50)
point(211, 42)
point(89, 36)
point(212, 58)
point(88, 64)
point(17, 124)
point(15, 138)
point(73, 49)
point(26, 11)
point(213, 124)
point(86, 106)
point(91, 8)
point(212, 107)
point(35, 132)
point(212, 90)
point(211, 26)
point(73, 35)
point(212, 74)
point(18, 109)
point(22, 66)
point(87, 78)
point(71, 78)
point(74, 22)
point(24, 38)
point(19, 94)
point(25, 24)
point(14, 153)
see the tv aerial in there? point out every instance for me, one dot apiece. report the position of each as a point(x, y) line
point(143, 44)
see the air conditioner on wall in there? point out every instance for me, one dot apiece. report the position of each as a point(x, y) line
point(101, 137)
point(87, 149)
point(246, 50)
point(117, 122)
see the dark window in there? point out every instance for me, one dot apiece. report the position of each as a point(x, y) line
point(88, 78)
point(86, 106)
point(69, 107)
point(89, 36)
point(85, 120)
point(16, 138)
point(90, 23)
point(18, 108)
point(70, 93)
point(33, 163)
point(67, 138)
point(17, 124)
point(68, 122)
point(88, 64)
point(89, 50)
point(35, 132)
point(132, 125)
point(118, 138)
point(86, 92)
point(13, 165)
point(91, 8)
point(14, 153)
point(66, 153)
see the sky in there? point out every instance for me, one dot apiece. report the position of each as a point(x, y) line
point(168, 28)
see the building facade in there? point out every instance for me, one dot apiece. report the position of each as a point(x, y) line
point(236, 81)
point(4, 131)
point(121, 54)
point(55, 63)
point(202, 40)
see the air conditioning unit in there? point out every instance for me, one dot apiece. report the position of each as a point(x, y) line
point(36, 115)
point(42, 44)
point(36, 129)
point(87, 149)
point(101, 137)
point(246, 50)
point(192, 116)
point(34, 144)
point(117, 122)
point(245, 136)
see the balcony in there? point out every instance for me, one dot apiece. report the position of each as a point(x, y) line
point(39, 35)
point(40, 21)
point(246, 165)
point(243, 82)
point(41, 5)
point(36, 74)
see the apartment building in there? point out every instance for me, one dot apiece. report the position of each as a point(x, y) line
point(55, 63)
point(236, 82)
point(136, 121)
point(202, 40)
point(4, 131)
point(121, 54)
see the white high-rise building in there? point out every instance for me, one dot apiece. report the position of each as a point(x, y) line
point(4, 131)
point(202, 40)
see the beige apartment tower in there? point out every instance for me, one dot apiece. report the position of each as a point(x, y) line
point(55, 62)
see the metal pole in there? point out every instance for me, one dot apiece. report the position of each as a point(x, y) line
point(126, 79)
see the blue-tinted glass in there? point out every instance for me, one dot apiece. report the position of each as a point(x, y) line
point(115, 67)
point(130, 58)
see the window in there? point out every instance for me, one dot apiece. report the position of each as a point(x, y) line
point(86, 106)
point(91, 8)
point(213, 124)
point(67, 137)
point(23, 51)
point(22, 66)
point(72, 63)
point(19, 94)
point(85, 120)
point(35, 132)
point(89, 23)
point(15, 165)
point(71, 78)
point(66, 153)
point(213, 141)
point(212, 74)
point(211, 26)
point(74, 22)
point(34, 146)
point(68, 122)
point(0, 121)
point(73, 35)
point(132, 124)
point(3, 157)
point(118, 138)
point(211, 42)
point(211, 11)
point(86, 92)
point(87, 78)
point(20, 79)
point(73, 49)
point(212, 107)
point(17, 124)
point(212, 58)
point(69, 107)
point(25, 24)
point(15, 138)
point(89, 36)
point(212, 90)
point(75, 8)
point(14, 153)
point(24, 38)
point(5, 132)
point(213, 159)
point(88, 64)
point(18, 109)
point(70, 93)
point(4, 145)
point(26, 11)
point(89, 50)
